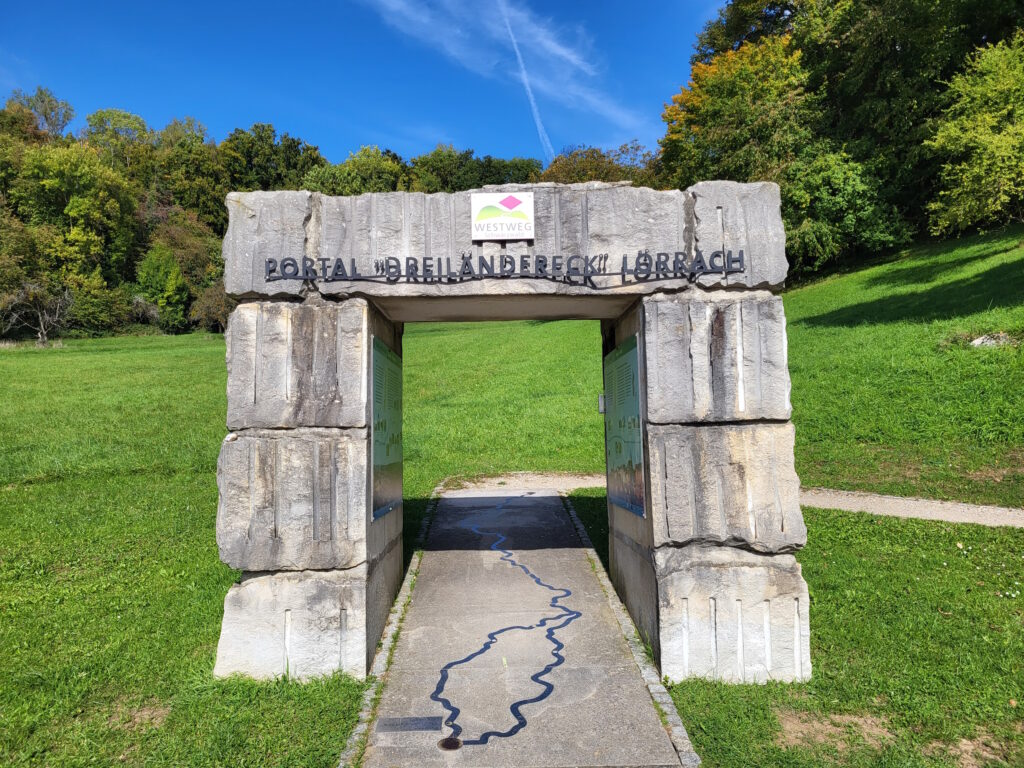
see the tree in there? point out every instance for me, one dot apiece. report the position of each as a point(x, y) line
point(445, 169)
point(630, 162)
point(256, 159)
point(189, 173)
point(748, 115)
point(742, 21)
point(38, 306)
point(744, 116)
point(879, 66)
point(91, 205)
point(368, 170)
point(52, 114)
point(122, 139)
point(161, 282)
point(980, 138)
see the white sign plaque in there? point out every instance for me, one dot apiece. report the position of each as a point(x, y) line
point(502, 215)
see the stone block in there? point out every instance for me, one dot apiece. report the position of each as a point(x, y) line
point(730, 217)
point(716, 358)
point(298, 365)
point(725, 484)
point(263, 225)
point(732, 615)
point(293, 499)
point(580, 219)
point(300, 624)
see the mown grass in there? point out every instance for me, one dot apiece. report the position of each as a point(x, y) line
point(111, 591)
point(888, 394)
point(917, 643)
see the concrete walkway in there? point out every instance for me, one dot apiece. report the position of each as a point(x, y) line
point(923, 509)
point(511, 647)
point(824, 498)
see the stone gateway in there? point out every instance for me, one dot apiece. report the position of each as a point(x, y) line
point(703, 496)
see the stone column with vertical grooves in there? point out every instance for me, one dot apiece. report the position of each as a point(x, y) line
point(708, 572)
point(319, 574)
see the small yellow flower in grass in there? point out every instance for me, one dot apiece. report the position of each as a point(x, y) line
point(959, 545)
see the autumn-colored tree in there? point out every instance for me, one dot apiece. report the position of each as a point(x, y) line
point(629, 162)
point(748, 115)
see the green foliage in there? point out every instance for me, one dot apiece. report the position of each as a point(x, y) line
point(447, 169)
point(123, 140)
point(748, 115)
point(832, 208)
point(190, 174)
point(92, 205)
point(879, 66)
point(630, 162)
point(211, 308)
point(52, 114)
point(742, 21)
point(258, 159)
point(981, 139)
point(368, 170)
point(161, 282)
point(95, 307)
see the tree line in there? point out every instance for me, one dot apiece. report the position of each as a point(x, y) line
point(881, 120)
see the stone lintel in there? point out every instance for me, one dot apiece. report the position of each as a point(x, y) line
point(571, 220)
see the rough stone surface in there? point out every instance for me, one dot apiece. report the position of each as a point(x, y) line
point(731, 615)
point(730, 484)
point(293, 499)
point(303, 624)
point(631, 570)
point(716, 358)
point(301, 365)
point(733, 217)
point(592, 218)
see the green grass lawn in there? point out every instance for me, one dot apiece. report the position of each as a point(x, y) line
point(889, 396)
point(111, 592)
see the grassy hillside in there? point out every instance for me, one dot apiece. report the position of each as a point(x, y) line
point(888, 394)
point(111, 592)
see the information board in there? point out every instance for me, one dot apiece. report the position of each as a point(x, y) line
point(623, 433)
point(386, 429)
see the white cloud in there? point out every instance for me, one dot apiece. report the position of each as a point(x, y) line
point(552, 62)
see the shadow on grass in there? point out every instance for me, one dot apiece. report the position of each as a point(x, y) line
point(1000, 286)
point(931, 263)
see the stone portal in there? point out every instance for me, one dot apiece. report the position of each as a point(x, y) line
point(703, 511)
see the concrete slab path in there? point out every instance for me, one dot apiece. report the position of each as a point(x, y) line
point(510, 645)
point(902, 506)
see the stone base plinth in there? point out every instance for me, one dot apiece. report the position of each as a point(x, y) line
point(732, 615)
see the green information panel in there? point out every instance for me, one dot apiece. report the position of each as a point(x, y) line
point(386, 430)
point(623, 434)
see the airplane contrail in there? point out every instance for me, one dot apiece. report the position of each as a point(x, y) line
point(543, 134)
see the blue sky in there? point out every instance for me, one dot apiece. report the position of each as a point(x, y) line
point(404, 74)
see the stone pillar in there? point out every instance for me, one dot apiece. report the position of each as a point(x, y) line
point(707, 573)
point(294, 475)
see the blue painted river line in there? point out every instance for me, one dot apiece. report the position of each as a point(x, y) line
point(551, 624)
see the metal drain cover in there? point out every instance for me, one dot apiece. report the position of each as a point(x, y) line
point(450, 743)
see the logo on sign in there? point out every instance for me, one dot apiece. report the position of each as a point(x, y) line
point(502, 215)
